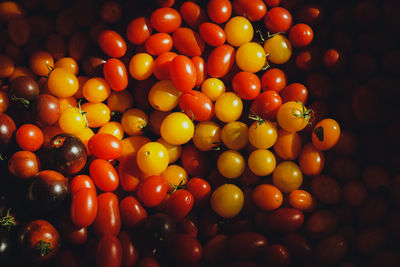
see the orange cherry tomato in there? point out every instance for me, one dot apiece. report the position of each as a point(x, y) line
point(311, 160)
point(267, 197)
point(326, 134)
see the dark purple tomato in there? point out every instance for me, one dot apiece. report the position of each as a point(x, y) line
point(23, 164)
point(186, 249)
point(6, 245)
point(158, 230)
point(23, 89)
point(48, 191)
point(246, 245)
point(47, 110)
point(67, 154)
point(285, 220)
point(7, 130)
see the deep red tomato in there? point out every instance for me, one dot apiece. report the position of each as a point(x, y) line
point(253, 10)
point(152, 190)
point(200, 189)
point(179, 204)
point(132, 212)
point(115, 74)
point(109, 251)
point(162, 64)
point(266, 105)
point(212, 34)
point(84, 207)
point(183, 73)
point(285, 220)
point(188, 226)
point(108, 218)
point(71, 233)
point(192, 14)
point(165, 3)
point(29, 137)
point(138, 30)
point(194, 161)
point(293, 92)
point(188, 42)
point(220, 61)
point(246, 85)
point(272, 3)
point(105, 146)
point(276, 255)
point(104, 175)
point(130, 253)
point(81, 181)
point(197, 105)
point(165, 19)
point(186, 249)
point(129, 174)
point(112, 43)
point(201, 71)
point(273, 79)
point(278, 19)
point(308, 59)
point(246, 245)
point(159, 43)
point(148, 262)
point(300, 35)
point(219, 11)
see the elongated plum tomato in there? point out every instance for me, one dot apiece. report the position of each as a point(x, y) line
point(138, 30)
point(183, 73)
point(197, 105)
point(212, 34)
point(104, 175)
point(192, 14)
point(158, 43)
point(109, 251)
point(108, 218)
point(165, 19)
point(253, 10)
point(219, 11)
point(188, 42)
point(105, 146)
point(84, 207)
point(132, 212)
point(161, 65)
point(115, 74)
point(220, 61)
point(201, 72)
point(81, 181)
point(112, 43)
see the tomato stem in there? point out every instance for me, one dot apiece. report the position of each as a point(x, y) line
point(305, 114)
point(44, 247)
point(8, 220)
point(177, 187)
point(2, 157)
point(272, 35)
point(83, 113)
point(24, 101)
point(256, 118)
point(261, 35)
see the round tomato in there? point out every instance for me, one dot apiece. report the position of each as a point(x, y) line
point(207, 135)
point(278, 49)
point(246, 85)
point(278, 19)
point(294, 92)
point(164, 96)
point(115, 74)
point(152, 158)
point(96, 90)
point(134, 121)
point(227, 200)
point(112, 43)
point(165, 19)
point(152, 190)
point(231, 164)
point(228, 107)
point(287, 176)
point(250, 57)
point(293, 116)
point(104, 175)
point(29, 137)
point(62, 83)
point(273, 79)
point(288, 145)
point(234, 135)
point(266, 105)
point(302, 200)
point(219, 11)
point(183, 73)
point(213, 88)
point(108, 218)
point(200, 189)
point(197, 105)
point(141, 66)
point(81, 181)
point(238, 31)
point(176, 177)
point(179, 204)
point(311, 160)
point(97, 114)
point(267, 197)
point(105, 146)
point(84, 207)
point(300, 35)
point(177, 128)
point(195, 162)
point(254, 10)
point(262, 135)
point(261, 162)
point(326, 134)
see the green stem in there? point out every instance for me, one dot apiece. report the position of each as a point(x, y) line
point(43, 247)
point(22, 100)
point(8, 220)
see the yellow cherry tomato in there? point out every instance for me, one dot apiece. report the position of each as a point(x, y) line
point(238, 30)
point(287, 176)
point(177, 128)
point(155, 119)
point(234, 135)
point(174, 151)
point(262, 136)
point(261, 162)
point(62, 83)
point(67, 63)
point(231, 164)
point(293, 116)
point(97, 114)
point(84, 135)
point(175, 176)
point(71, 120)
point(67, 102)
point(250, 57)
point(163, 96)
point(131, 145)
point(120, 101)
point(114, 128)
point(213, 88)
point(81, 82)
point(134, 121)
point(228, 107)
point(96, 90)
point(278, 49)
point(207, 135)
point(141, 66)
point(152, 158)
point(227, 200)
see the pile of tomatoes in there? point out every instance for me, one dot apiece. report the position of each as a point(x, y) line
point(198, 133)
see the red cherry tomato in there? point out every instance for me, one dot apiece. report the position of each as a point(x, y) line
point(179, 204)
point(246, 85)
point(273, 79)
point(105, 146)
point(132, 212)
point(197, 105)
point(219, 11)
point(293, 92)
point(285, 220)
point(152, 190)
point(266, 105)
point(212, 34)
point(159, 43)
point(109, 251)
point(220, 61)
point(183, 73)
point(188, 42)
point(186, 249)
point(192, 14)
point(300, 35)
point(81, 181)
point(108, 218)
point(104, 175)
point(112, 43)
point(165, 19)
point(201, 71)
point(200, 189)
point(29, 137)
point(138, 30)
point(115, 74)
point(129, 174)
point(162, 65)
point(84, 207)
point(194, 161)
point(130, 253)
point(278, 19)
point(253, 10)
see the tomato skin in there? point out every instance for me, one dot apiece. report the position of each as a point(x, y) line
point(112, 43)
point(254, 10)
point(84, 207)
point(115, 74)
point(105, 146)
point(194, 161)
point(179, 204)
point(267, 197)
point(328, 137)
point(162, 64)
point(300, 35)
point(152, 190)
point(273, 79)
point(138, 30)
point(219, 11)
point(130, 253)
point(81, 181)
point(311, 160)
point(293, 92)
point(159, 43)
point(246, 85)
point(109, 251)
point(227, 200)
point(192, 14)
point(246, 245)
point(186, 249)
point(183, 73)
point(220, 61)
point(197, 105)
point(285, 220)
point(188, 42)
point(165, 19)
point(104, 175)
point(266, 105)
point(132, 212)
point(278, 19)
point(29, 137)
point(200, 189)
point(108, 218)
point(201, 72)
point(212, 34)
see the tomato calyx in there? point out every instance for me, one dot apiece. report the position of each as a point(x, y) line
point(83, 113)
point(43, 247)
point(8, 220)
point(319, 132)
point(269, 35)
point(177, 187)
point(256, 118)
point(3, 157)
point(50, 68)
point(303, 113)
point(25, 102)
point(216, 146)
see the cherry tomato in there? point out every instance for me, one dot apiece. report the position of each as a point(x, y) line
point(212, 34)
point(261, 162)
point(108, 219)
point(262, 136)
point(194, 161)
point(41, 62)
point(285, 220)
point(174, 151)
point(111, 12)
point(220, 61)
point(159, 43)
point(138, 30)
point(186, 249)
point(84, 207)
point(165, 19)
point(152, 190)
point(132, 212)
point(288, 145)
point(326, 189)
point(294, 92)
point(246, 85)
point(81, 181)
point(188, 42)
point(278, 49)
point(250, 57)
point(108, 251)
point(29, 137)
point(278, 19)
point(141, 66)
point(163, 96)
point(176, 177)
point(62, 83)
point(104, 175)
point(23, 164)
point(273, 79)
point(134, 121)
point(97, 114)
point(266, 105)
point(162, 64)
point(112, 43)
point(302, 200)
point(71, 120)
point(179, 204)
point(152, 158)
point(200, 189)
point(292, 116)
point(246, 245)
point(105, 146)
point(115, 74)
point(267, 197)
point(238, 31)
point(213, 88)
point(300, 35)
point(183, 73)
point(326, 134)
point(177, 128)
point(201, 72)
point(130, 253)
point(287, 176)
point(131, 145)
point(67, 63)
point(197, 105)
point(96, 90)
point(228, 107)
point(113, 128)
point(219, 11)
point(234, 135)
point(254, 10)
point(311, 160)
point(192, 14)
point(231, 164)
point(207, 135)
point(227, 200)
